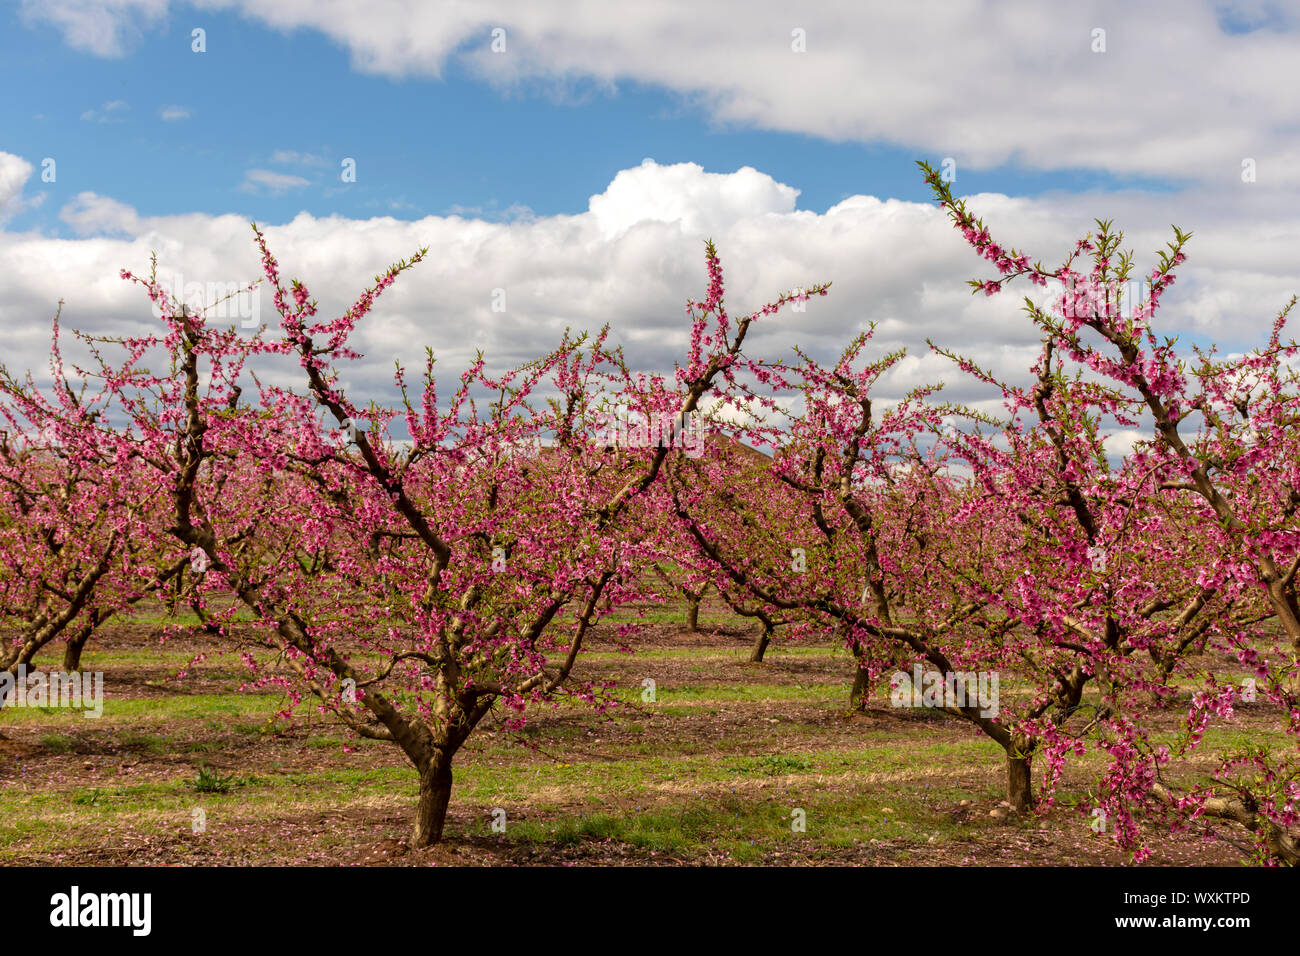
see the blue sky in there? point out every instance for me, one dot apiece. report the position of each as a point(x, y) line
point(787, 133)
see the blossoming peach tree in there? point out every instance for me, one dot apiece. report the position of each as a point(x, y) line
point(77, 544)
point(409, 586)
point(859, 530)
point(1196, 528)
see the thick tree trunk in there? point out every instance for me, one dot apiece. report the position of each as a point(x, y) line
point(72, 651)
point(760, 647)
point(1020, 788)
point(1284, 603)
point(693, 616)
point(1288, 614)
point(435, 795)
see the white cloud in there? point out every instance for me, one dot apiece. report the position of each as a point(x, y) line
point(685, 193)
point(635, 256)
point(171, 114)
point(90, 214)
point(103, 27)
point(271, 181)
point(292, 157)
point(1119, 442)
point(14, 173)
point(1172, 95)
point(110, 112)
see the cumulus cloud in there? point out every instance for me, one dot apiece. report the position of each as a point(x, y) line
point(14, 173)
point(632, 259)
point(686, 194)
point(90, 214)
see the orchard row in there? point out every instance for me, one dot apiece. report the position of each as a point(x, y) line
point(412, 586)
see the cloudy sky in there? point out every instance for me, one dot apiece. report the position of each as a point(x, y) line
point(566, 160)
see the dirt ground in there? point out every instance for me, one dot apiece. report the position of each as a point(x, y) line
point(709, 773)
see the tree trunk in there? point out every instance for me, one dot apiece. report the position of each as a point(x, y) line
point(1284, 603)
point(1020, 788)
point(72, 651)
point(435, 795)
point(693, 616)
point(861, 689)
point(760, 647)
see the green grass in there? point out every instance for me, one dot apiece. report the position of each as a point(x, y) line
point(719, 762)
point(54, 817)
point(773, 765)
point(799, 821)
point(154, 710)
point(210, 782)
point(58, 743)
point(728, 693)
